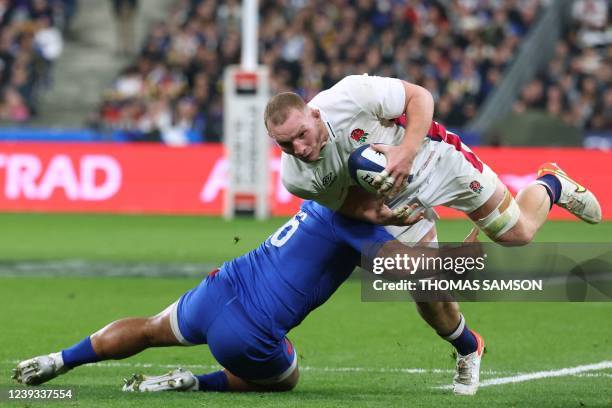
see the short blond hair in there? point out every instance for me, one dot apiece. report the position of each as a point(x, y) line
point(279, 107)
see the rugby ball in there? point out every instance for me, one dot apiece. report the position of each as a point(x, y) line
point(364, 164)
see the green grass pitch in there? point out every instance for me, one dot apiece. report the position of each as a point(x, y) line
point(351, 353)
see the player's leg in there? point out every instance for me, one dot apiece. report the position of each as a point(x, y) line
point(448, 322)
point(467, 184)
point(119, 339)
point(217, 381)
point(446, 319)
point(252, 359)
point(515, 221)
point(234, 353)
point(243, 372)
point(124, 338)
point(443, 317)
point(237, 384)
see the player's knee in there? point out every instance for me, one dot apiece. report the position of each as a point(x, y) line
point(450, 309)
point(524, 237)
point(438, 307)
point(520, 235)
point(285, 385)
point(429, 308)
point(288, 383)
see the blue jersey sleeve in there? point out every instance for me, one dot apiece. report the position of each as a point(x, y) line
point(362, 236)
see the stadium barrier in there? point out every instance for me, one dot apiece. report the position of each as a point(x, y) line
point(152, 178)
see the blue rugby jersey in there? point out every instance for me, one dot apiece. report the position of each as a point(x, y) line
point(300, 266)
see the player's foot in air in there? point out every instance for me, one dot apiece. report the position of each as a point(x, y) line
point(175, 380)
point(574, 197)
point(39, 369)
point(467, 374)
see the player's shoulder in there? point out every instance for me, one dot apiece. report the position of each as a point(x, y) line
point(355, 91)
point(341, 92)
point(346, 84)
point(364, 82)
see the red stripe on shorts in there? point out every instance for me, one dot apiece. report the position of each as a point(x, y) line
point(289, 346)
point(438, 132)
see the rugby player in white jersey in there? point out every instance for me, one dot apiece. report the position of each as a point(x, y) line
point(426, 166)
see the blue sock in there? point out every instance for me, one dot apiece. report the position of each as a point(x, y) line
point(553, 187)
point(216, 381)
point(79, 354)
point(463, 339)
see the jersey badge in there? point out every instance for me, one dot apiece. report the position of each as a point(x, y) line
point(476, 187)
point(359, 135)
point(328, 179)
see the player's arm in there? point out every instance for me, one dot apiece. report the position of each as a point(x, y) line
point(419, 108)
point(361, 205)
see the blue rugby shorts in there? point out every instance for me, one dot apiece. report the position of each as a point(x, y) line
point(212, 314)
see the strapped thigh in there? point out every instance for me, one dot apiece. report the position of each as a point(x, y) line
point(502, 218)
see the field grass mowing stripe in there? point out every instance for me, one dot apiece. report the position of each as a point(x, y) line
point(562, 372)
point(78, 267)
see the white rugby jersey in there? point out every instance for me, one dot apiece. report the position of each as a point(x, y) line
point(357, 110)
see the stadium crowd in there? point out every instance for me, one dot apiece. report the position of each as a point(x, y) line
point(173, 91)
point(576, 84)
point(30, 40)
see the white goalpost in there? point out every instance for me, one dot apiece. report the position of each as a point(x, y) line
point(245, 93)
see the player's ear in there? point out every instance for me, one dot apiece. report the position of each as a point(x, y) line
point(315, 113)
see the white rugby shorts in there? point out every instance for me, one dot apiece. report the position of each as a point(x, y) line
point(446, 172)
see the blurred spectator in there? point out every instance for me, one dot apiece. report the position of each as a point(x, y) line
point(124, 12)
point(13, 108)
point(458, 49)
point(575, 85)
point(68, 10)
point(29, 43)
point(48, 39)
point(591, 14)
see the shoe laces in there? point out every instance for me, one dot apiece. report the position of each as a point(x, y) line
point(464, 369)
point(575, 204)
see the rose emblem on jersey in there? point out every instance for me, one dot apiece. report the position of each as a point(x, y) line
point(476, 187)
point(359, 135)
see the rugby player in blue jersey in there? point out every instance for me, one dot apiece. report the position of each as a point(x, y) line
point(243, 310)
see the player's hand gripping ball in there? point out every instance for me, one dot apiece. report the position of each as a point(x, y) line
point(367, 168)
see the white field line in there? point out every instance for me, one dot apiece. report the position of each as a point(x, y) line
point(383, 370)
point(589, 375)
point(542, 374)
point(579, 371)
